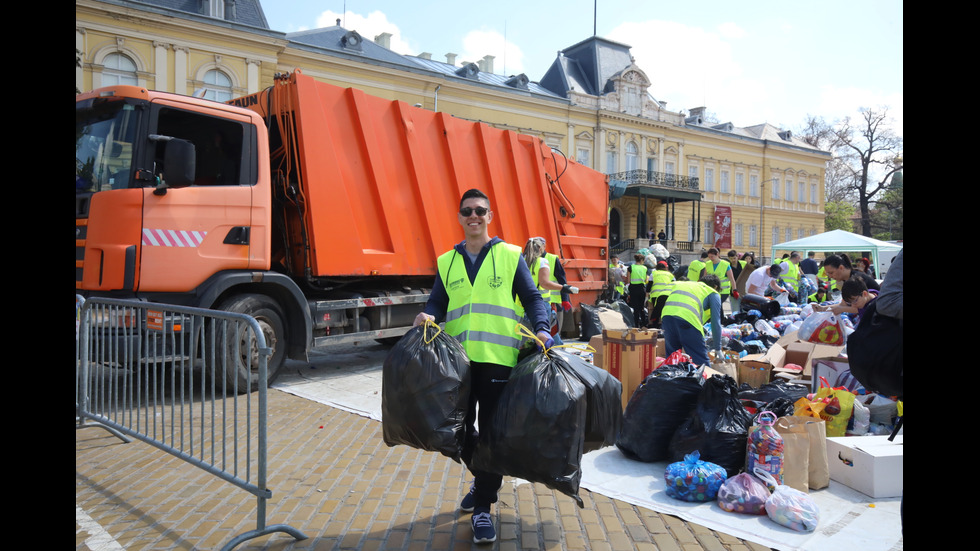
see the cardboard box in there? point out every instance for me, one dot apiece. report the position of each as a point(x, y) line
point(870, 464)
point(629, 356)
point(596, 343)
point(759, 369)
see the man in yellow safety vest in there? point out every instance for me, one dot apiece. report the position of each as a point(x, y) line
point(474, 294)
point(689, 307)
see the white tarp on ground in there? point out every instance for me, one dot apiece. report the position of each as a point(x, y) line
point(849, 520)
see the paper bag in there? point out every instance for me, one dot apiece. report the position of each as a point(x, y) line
point(805, 464)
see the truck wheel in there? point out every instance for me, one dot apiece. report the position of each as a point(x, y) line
point(242, 359)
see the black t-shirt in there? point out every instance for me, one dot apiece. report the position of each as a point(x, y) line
point(868, 280)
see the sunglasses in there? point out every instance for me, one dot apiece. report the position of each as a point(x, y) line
point(480, 211)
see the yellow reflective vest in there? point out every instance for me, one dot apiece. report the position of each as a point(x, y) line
point(721, 270)
point(694, 270)
point(483, 316)
point(662, 283)
point(638, 274)
point(686, 301)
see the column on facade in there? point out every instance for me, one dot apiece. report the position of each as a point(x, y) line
point(180, 69)
point(252, 67)
point(600, 152)
point(160, 65)
point(80, 70)
point(571, 150)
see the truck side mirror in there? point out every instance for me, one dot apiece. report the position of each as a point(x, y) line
point(179, 163)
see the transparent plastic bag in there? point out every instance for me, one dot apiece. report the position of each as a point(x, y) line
point(789, 507)
point(743, 493)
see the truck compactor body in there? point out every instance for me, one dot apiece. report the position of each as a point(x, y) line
point(318, 210)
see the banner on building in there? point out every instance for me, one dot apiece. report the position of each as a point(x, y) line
point(723, 227)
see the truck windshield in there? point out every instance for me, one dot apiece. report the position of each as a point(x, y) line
point(104, 133)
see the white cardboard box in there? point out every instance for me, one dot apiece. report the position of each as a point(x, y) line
point(870, 464)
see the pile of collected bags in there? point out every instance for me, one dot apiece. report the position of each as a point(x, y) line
point(718, 451)
point(555, 407)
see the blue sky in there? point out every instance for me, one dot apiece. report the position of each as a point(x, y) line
point(747, 62)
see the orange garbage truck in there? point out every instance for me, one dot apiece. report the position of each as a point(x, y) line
point(316, 209)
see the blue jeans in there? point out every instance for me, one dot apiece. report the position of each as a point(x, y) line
point(679, 334)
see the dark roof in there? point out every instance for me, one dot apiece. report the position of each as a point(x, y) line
point(338, 40)
point(587, 67)
point(246, 12)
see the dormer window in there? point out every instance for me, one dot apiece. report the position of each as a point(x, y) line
point(351, 41)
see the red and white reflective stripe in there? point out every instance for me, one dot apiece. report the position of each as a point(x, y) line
point(172, 238)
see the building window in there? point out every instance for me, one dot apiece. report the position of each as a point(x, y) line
point(739, 184)
point(775, 235)
point(775, 188)
point(709, 179)
point(789, 234)
point(670, 168)
point(690, 230)
point(118, 69)
point(709, 232)
point(753, 240)
point(632, 156)
point(800, 234)
point(724, 182)
point(610, 162)
point(737, 235)
point(754, 185)
point(692, 172)
point(217, 86)
point(583, 156)
point(813, 193)
point(801, 197)
point(789, 189)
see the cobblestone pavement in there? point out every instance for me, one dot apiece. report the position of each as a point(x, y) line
point(333, 478)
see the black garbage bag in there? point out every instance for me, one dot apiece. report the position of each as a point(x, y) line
point(768, 308)
point(538, 429)
point(781, 407)
point(718, 429)
point(659, 405)
point(603, 398)
point(590, 322)
point(425, 392)
point(770, 391)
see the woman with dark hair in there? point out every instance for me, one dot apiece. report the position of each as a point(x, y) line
point(839, 269)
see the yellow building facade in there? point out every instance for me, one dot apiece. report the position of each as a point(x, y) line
point(669, 169)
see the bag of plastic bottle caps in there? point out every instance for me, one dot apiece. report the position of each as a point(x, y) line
point(765, 447)
point(693, 479)
point(743, 493)
point(790, 507)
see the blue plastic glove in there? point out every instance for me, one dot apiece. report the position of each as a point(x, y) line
point(546, 338)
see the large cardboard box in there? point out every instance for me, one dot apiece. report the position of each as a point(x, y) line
point(629, 356)
point(870, 464)
point(597, 356)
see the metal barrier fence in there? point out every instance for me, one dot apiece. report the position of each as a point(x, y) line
point(164, 375)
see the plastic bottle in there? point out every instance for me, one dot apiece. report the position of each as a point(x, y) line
point(765, 447)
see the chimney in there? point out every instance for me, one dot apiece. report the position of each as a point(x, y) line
point(486, 64)
point(425, 55)
point(383, 40)
point(451, 59)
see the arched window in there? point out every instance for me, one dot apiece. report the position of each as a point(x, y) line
point(217, 86)
point(119, 69)
point(632, 156)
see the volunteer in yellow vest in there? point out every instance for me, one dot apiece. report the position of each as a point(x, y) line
point(690, 305)
point(723, 270)
point(637, 276)
point(790, 278)
point(661, 284)
point(696, 267)
point(474, 293)
point(544, 267)
point(616, 274)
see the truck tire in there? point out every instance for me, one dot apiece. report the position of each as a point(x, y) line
point(243, 367)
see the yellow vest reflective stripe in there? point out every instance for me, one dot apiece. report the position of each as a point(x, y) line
point(694, 270)
point(553, 264)
point(686, 301)
point(483, 315)
point(638, 274)
point(792, 276)
point(662, 283)
point(722, 272)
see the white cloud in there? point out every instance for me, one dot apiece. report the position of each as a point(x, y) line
point(731, 30)
point(508, 57)
point(368, 27)
point(688, 66)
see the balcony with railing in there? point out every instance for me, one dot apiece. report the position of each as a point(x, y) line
point(635, 178)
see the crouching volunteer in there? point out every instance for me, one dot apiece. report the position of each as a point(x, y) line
point(474, 293)
point(689, 306)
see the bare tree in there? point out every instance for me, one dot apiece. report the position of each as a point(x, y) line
point(871, 152)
